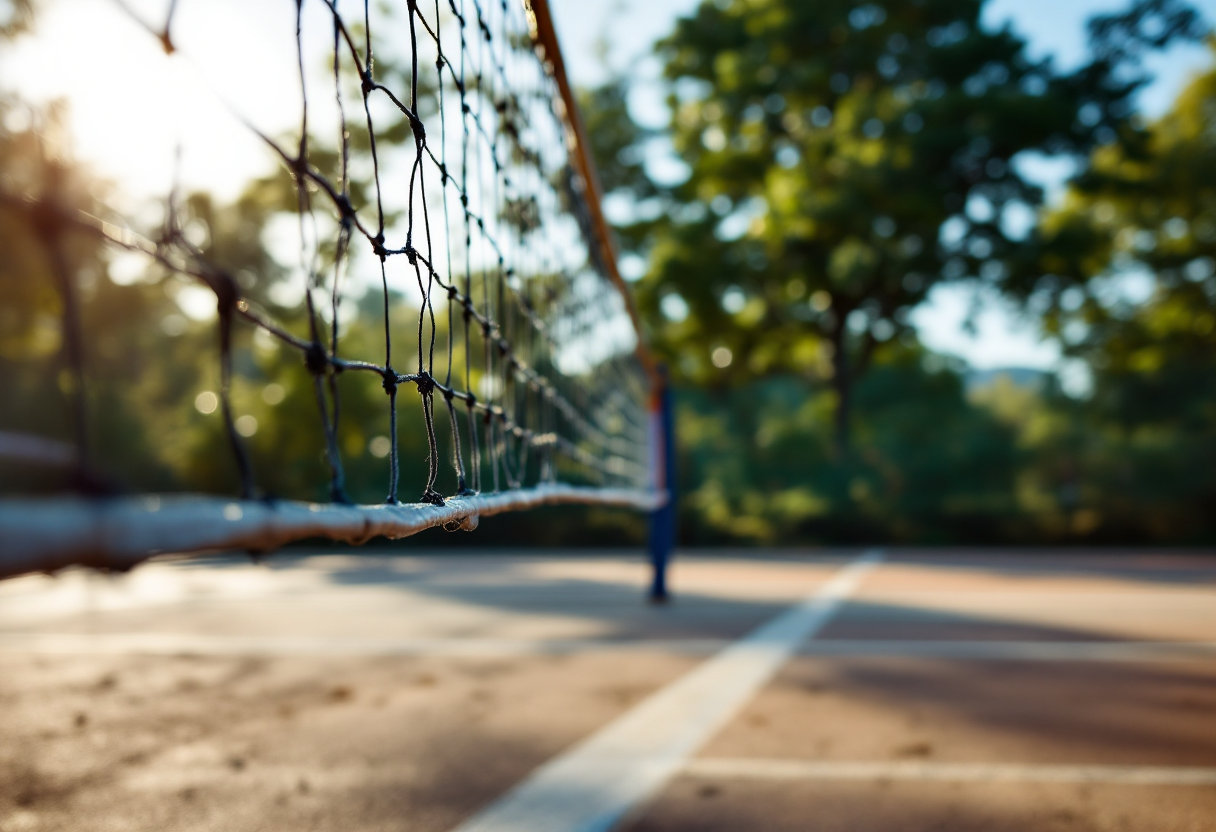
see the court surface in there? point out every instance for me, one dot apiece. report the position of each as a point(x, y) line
point(782, 690)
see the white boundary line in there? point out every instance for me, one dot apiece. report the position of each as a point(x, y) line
point(173, 644)
point(1035, 651)
point(593, 786)
point(761, 769)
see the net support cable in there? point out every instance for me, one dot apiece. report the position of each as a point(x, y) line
point(510, 155)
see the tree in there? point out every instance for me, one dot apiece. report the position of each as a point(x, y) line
point(842, 160)
point(931, 467)
point(1149, 208)
point(1144, 211)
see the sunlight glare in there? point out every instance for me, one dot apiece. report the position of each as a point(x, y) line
point(131, 105)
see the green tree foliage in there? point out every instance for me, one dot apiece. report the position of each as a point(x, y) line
point(796, 231)
point(843, 159)
point(1144, 212)
point(931, 467)
point(146, 361)
point(617, 141)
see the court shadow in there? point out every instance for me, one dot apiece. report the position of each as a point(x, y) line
point(1176, 567)
point(617, 603)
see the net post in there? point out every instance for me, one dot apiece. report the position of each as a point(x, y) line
point(662, 535)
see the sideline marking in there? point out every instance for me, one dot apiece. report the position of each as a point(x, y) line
point(759, 769)
point(1036, 651)
point(195, 644)
point(592, 787)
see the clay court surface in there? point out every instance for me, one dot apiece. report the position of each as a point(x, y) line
point(939, 690)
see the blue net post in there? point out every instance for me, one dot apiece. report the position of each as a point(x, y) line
point(663, 520)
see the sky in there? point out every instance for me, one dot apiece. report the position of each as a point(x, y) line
point(132, 107)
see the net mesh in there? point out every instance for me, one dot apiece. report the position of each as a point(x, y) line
point(523, 353)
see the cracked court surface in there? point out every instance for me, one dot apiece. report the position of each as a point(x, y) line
point(949, 690)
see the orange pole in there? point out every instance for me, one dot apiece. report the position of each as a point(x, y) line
point(544, 35)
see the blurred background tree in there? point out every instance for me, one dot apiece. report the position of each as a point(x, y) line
point(151, 355)
point(1125, 279)
point(843, 159)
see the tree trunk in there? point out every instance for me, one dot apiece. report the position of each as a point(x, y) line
point(842, 382)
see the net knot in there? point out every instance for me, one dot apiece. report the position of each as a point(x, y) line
point(411, 253)
point(452, 293)
point(416, 125)
point(388, 380)
point(431, 497)
point(315, 359)
point(378, 247)
point(346, 210)
point(368, 83)
point(426, 384)
point(470, 400)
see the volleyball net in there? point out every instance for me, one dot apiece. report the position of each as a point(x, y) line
point(449, 258)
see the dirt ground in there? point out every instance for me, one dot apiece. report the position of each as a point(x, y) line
point(348, 692)
point(193, 743)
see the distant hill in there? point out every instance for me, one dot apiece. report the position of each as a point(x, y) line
point(1019, 376)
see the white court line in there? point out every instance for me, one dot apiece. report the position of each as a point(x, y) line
point(759, 769)
point(592, 787)
point(196, 644)
point(1049, 651)
point(176, 644)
